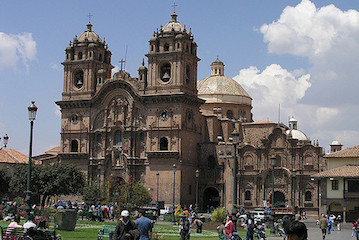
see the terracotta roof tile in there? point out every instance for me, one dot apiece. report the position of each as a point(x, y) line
point(349, 152)
point(351, 171)
point(12, 156)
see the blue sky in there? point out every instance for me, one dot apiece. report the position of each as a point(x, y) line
point(300, 54)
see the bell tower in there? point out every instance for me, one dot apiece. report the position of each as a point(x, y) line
point(172, 60)
point(87, 65)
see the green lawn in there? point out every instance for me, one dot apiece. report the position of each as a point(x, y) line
point(88, 230)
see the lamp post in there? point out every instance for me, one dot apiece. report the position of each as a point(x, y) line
point(272, 230)
point(197, 187)
point(158, 178)
point(32, 109)
point(99, 181)
point(6, 139)
point(235, 142)
point(173, 202)
point(294, 172)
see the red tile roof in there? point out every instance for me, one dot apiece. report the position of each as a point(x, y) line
point(12, 156)
point(349, 152)
point(349, 171)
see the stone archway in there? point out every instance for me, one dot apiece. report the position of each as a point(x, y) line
point(211, 198)
point(279, 199)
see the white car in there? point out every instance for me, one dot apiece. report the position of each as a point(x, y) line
point(165, 210)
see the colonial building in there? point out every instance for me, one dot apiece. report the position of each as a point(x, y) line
point(339, 184)
point(163, 125)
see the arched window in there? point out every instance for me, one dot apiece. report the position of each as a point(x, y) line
point(166, 47)
point(118, 138)
point(142, 137)
point(164, 143)
point(178, 45)
point(166, 72)
point(79, 79)
point(152, 48)
point(99, 138)
point(247, 195)
point(80, 55)
point(74, 146)
point(229, 114)
point(308, 196)
point(211, 162)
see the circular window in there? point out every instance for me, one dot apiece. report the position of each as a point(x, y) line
point(164, 115)
point(74, 119)
point(166, 72)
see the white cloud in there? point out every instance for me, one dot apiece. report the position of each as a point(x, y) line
point(57, 111)
point(272, 87)
point(55, 66)
point(115, 70)
point(16, 47)
point(325, 114)
point(304, 30)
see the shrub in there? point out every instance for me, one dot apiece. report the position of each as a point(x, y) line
point(218, 214)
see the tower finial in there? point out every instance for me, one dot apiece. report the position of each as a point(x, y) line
point(174, 15)
point(143, 62)
point(89, 16)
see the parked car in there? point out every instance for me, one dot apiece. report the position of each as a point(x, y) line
point(165, 210)
point(258, 216)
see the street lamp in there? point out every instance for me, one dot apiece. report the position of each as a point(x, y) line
point(158, 177)
point(294, 172)
point(197, 187)
point(99, 181)
point(173, 203)
point(32, 109)
point(235, 142)
point(272, 230)
point(6, 139)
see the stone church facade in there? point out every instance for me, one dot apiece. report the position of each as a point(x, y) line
point(122, 126)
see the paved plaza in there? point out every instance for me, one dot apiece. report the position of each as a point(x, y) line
point(314, 233)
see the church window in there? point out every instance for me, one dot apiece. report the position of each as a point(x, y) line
point(278, 161)
point(188, 74)
point(99, 138)
point(79, 79)
point(80, 55)
point(166, 47)
point(308, 196)
point(67, 56)
point(141, 77)
point(100, 57)
point(164, 143)
point(118, 138)
point(211, 162)
point(166, 72)
point(335, 185)
point(229, 114)
point(74, 146)
point(189, 116)
point(74, 119)
point(247, 195)
point(142, 137)
point(151, 48)
point(90, 54)
point(178, 45)
point(187, 48)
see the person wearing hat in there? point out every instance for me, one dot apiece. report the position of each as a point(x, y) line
point(184, 226)
point(126, 229)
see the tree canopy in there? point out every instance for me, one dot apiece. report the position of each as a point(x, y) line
point(48, 180)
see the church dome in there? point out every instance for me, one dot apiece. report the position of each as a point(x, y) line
point(173, 25)
point(89, 35)
point(219, 88)
point(296, 134)
point(335, 142)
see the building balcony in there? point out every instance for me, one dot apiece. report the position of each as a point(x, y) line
point(351, 195)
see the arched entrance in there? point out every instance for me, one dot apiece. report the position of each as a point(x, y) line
point(279, 199)
point(211, 198)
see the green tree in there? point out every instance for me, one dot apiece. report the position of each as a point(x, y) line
point(5, 181)
point(48, 180)
point(92, 195)
point(130, 194)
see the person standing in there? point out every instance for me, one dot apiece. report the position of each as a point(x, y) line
point(184, 226)
point(250, 229)
point(323, 224)
point(144, 226)
point(126, 229)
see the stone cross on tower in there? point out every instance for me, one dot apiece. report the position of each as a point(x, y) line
point(89, 16)
point(122, 62)
point(174, 7)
